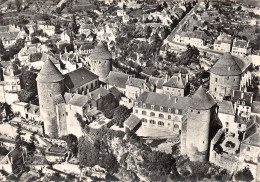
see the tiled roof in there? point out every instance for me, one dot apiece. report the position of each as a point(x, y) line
point(4, 28)
point(49, 73)
point(86, 47)
point(226, 107)
point(34, 57)
point(117, 79)
point(115, 91)
point(240, 120)
point(9, 36)
point(253, 140)
point(99, 92)
point(229, 65)
point(67, 97)
point(79, 77)
point(217, 136)
point(256, 107)
point(247, 97)
point(87, 26)
point(137, 82)
point(175, 82)
point(240, 44)
point(79, 100)
point(33, 109)
point(132, 122)
point(100, 52)
point(158, 82)
point(202, 100)
point(163, 100)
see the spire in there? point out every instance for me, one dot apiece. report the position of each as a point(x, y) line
point(49, 73)
point(202, 100)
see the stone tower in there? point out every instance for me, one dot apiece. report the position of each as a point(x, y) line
point(199, 117)
point(228, 73)
point(101, 61)
point(50, 82)
point(12, 76)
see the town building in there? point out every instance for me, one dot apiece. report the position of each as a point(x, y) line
point(240, 47)
point(229, 73)
point(160, 111)
point(118, 80)
point(223, 43)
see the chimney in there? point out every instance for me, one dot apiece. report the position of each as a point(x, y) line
point(187, 78)
point(175, 100)
point(242, 95)
point(233, 92)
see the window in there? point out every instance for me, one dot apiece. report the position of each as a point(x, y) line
point(152, 122)
point(144, 106)
point(191, 110)
point(243, 102)
point(169, 110)
point(144, 113)
point(152, 114)
point(13, 83)
point(161, 116)
point(228, 78)
point(66, 113)
point(7, 83)
point(160, 123)
point(169, 117)
point(198, 112)
point(136, 111)
point(176, 111)
point(144, 120)
point(216, 79)
point(248, 149)
point(18, 83)
point(227, 124)
point(239, 126)
point(215, 89)
point(161, 108)
point(13, 87)
point(152, 107)
point(136, 104)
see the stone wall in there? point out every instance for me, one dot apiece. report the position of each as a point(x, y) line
point(101, 68)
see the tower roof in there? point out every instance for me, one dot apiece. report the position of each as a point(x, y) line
point(12, 70)
point(100, 52)
point(49, 73)
point(229, 65)
point(201, 100)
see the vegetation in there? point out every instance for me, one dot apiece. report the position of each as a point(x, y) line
point(121, 113)
point(244, 175)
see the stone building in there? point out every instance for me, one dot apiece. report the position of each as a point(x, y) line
point(198, 122)
point(50, 82)
point(160, 111)
point(100, 61)
point(229, 73)
point(12, 75)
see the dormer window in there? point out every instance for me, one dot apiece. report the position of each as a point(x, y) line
point(176, 111)
point(243, 102)
point(169, 110)
point(144, 106)
point(152, 107)
point(136, 104)
point(161, 108)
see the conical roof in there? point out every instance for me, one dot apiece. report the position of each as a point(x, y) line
point(49, 73)
point(201, 100)
point(228, 65)
point(100, 52)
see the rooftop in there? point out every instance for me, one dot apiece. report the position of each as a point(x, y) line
point(229, 65)
point(79, 100)
point(117, 79)
point(239, 96)
point(49, 73)
point(132, 122)
point(100, 52)
point(79, 77)
point(226, 107)
point(100, 92)
point(202, 100)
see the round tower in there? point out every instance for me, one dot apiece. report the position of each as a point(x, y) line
point(198, 125)
point(225, 75)
point(50, 82)
point(12, 75)
point(101, 61)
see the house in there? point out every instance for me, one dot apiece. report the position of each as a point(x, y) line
point(136, 86)
point(99, 95)
point(160, 111)
point(81, 81)
point(13, 161)
point(242, 102)
point(86, 49)
point(9, 38)
point(66, 36)
point(132, 124)
point(240, 47)
point(87, 28)
point(223, 43)
point(126, 18)
point(120, 12)
point(36, 60)
point(118, 80)
point(177, 86)
point(47, 29)
point(157, 83)
point(226, 114)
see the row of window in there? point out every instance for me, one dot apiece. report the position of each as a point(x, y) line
point(152, 114)
point(216, 79)
point(13, 83)
point(160, 123)
point(161, 108)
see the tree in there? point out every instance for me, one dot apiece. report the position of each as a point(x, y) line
point(28, 82)
point(25, 96)
point(72, 144)
point(121, 113)
point(2, 48)
point(35, 40)
point(18, 4)
point(244, 175)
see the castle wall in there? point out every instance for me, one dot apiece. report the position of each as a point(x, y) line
point(221, 86)
point(197, 141)
point(46, 92)
point(101, 68)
